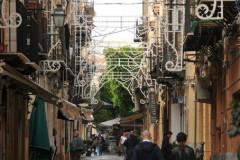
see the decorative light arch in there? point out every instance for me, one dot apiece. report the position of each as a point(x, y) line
point(13, 20)
point(203, 11)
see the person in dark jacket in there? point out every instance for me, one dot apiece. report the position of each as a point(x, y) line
point(76, 146)
point(146, 150)
point(130, 143)
point(166, 145)
point(182, 151)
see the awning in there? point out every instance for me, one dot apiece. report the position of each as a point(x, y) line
point(131, 118)
point(39, 137)
point(110, 123)
point(202, 32)
point(27, 84)
point(101, 104)
point(20, 62)
point(87, 114)
point(68, 111)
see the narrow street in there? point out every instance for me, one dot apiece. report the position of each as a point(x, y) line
point(89, 75)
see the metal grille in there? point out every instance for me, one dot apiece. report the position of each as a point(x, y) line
point(157, 35)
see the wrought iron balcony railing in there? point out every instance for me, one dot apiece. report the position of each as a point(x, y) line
point(140, 31)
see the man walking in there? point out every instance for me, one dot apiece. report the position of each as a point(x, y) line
point(130, 143)
point(76, 147)
point(123, 138)
point(166, 146)
point(146, 150)
point(182, 151)
point(54, 145)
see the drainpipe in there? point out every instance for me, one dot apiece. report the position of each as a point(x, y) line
point(181, 117)
point(195, 117)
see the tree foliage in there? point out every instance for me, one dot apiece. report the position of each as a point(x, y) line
point(103, 115)
point(130, 54)
point(114, 92)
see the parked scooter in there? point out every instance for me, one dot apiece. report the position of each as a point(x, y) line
point(88, 146)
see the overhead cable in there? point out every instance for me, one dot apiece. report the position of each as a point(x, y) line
point(136, 3)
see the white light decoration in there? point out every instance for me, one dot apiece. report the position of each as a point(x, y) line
point(13, 20)
point(94, 101)
point(172, 34)
point(162, 44)
point(203, 12)
point(144, 65)
point(50, 65)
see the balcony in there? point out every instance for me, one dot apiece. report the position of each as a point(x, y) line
point(202, 32)
point(140, 31)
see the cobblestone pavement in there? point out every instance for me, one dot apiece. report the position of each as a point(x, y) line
point(103, 157)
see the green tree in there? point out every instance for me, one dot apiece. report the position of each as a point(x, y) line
point(103, 115)
point(121, 60)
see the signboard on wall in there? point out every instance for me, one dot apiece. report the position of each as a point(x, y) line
point(152, 105)
point(203, 90)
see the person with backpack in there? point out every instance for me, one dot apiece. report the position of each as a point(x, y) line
point(130, 143)
point(146, 150)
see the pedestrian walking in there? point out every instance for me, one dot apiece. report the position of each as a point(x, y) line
point(54, 144)
point(76, 146)
point(146, 150)
point(99, 145)
point(130, 143)
point(123, 138)
point(182, 151)
point(166, 145)
point(102, 141)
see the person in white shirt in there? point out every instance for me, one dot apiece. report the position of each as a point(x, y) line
point(123, 138)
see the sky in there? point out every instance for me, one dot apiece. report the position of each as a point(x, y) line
point(114, 12)
point(105, 25)
point(102, 7)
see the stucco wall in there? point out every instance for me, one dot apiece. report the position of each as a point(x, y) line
point(197, 128)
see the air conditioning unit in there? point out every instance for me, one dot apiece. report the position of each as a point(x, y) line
point(203, 90)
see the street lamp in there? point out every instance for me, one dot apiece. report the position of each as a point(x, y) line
point(58, 16)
